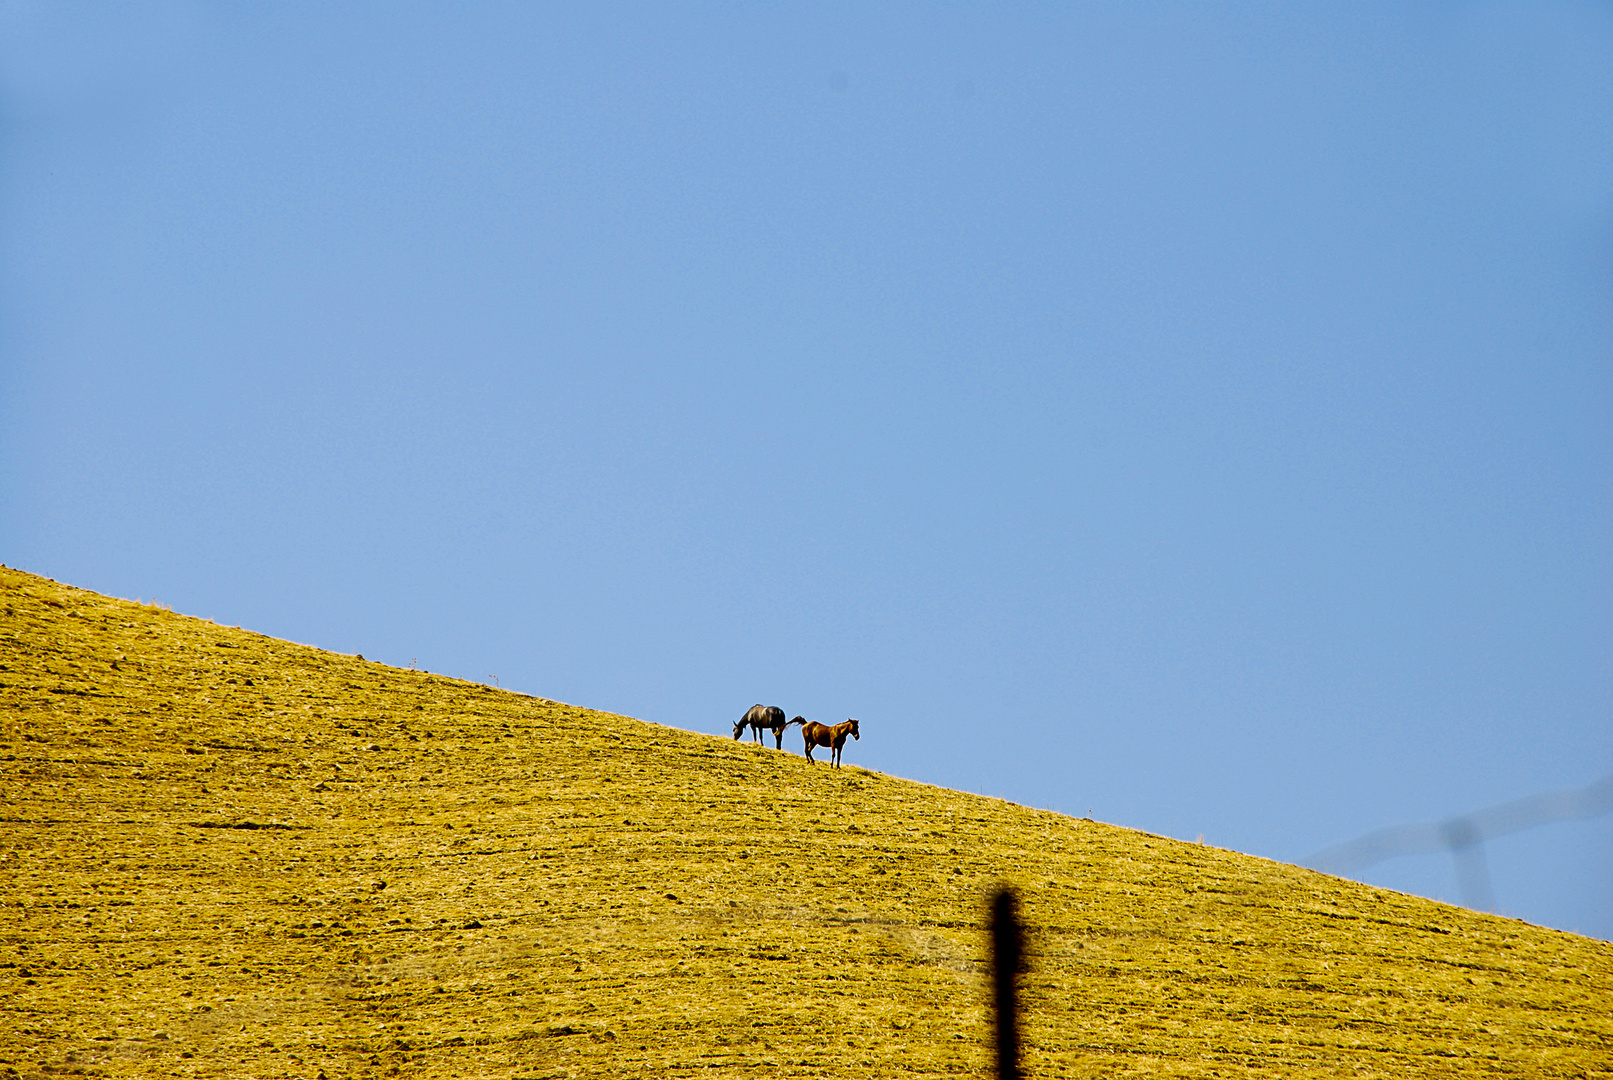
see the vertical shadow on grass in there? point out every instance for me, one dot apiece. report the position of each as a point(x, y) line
point(1007, 952)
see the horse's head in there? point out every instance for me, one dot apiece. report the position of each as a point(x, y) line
point(854, 732)
point(739, 727)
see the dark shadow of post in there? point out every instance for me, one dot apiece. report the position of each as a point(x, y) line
point(1007, 951)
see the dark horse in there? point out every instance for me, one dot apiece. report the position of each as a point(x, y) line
point(833, 737)
point(770, 717)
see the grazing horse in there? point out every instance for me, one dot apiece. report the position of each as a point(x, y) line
point(817, 734)
point(770, 717)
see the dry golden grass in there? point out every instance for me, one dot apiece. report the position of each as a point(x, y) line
point(228, 855)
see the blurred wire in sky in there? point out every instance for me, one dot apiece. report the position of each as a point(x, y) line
point(1464, 835)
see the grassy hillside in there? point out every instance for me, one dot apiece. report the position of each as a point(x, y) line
point(229, 855)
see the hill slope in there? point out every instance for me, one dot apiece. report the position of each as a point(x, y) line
point(229, 855)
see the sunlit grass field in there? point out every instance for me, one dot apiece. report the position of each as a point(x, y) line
point(229, 855)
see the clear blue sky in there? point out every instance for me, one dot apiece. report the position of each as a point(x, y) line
point(1198, 415)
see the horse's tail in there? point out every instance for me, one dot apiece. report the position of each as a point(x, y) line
point(798, 720)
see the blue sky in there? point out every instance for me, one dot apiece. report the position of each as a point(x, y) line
point(1198, 416)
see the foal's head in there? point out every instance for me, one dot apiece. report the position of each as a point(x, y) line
point(854, 732)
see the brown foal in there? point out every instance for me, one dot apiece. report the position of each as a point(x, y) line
point(833, 737)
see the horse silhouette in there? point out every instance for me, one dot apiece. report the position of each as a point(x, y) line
point(770, 717)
